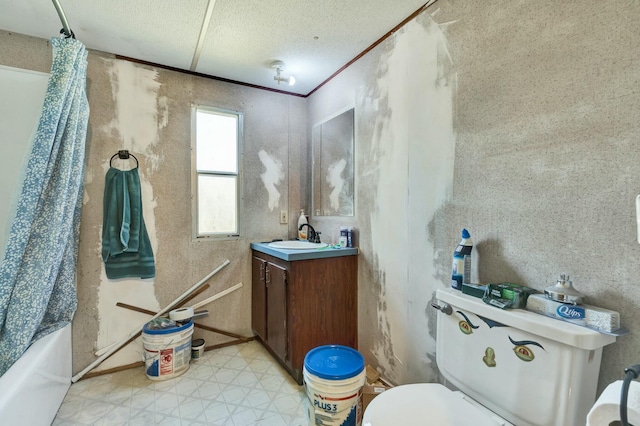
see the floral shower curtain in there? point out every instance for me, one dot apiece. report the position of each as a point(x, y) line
point(37, 275)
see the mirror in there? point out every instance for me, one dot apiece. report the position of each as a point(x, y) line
point(332, 172)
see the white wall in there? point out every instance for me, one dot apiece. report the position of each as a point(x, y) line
point(21, 97)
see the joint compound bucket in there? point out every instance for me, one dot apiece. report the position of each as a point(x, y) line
point(167, 348)
point(334, 376)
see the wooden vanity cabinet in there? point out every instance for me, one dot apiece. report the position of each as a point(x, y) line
point(299, 305)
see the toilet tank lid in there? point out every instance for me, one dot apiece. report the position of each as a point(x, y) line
point(553, 329)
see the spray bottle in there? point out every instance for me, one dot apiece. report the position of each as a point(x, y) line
point(461, 269)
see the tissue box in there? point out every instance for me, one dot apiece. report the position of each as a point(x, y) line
point(599, 319)
point(474, 290)
point(507, 295)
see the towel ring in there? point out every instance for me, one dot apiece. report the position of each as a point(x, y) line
point(123, 154)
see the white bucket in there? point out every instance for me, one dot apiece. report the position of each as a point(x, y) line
point(167, 351)
point(334, 376)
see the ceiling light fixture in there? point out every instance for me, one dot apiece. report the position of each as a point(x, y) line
point(279, 67)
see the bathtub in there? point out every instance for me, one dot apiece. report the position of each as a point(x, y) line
point(32, 390)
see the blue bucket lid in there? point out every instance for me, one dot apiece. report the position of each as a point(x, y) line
point(167, 330)
point(334, 362)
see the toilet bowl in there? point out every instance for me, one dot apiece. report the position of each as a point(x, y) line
point(427, 404)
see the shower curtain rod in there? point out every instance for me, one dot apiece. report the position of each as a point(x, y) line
point(65, 24)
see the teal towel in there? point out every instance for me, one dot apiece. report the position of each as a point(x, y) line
point(126, 249)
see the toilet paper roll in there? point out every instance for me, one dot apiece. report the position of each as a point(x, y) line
point(607, 408)
point(181, 314)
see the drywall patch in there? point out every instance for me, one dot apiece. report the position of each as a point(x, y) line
point(272, 176)
point(140, 111)
point(411, 103)
point(88, 180)
point(336, 182)
point(139, 115)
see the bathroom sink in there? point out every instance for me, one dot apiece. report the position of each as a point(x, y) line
point(297, 245)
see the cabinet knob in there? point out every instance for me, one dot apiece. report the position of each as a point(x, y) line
point(445, 308)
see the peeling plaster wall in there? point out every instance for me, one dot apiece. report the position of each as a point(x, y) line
point(147, 111)
point(402, 92)
point(140, 115)
point(517, 120)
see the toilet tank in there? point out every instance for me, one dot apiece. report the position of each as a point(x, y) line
point(527, 368)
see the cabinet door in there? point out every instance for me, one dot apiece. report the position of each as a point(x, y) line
point(259, 297)
point(276, 279)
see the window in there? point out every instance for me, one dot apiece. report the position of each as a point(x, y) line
point(215, 148)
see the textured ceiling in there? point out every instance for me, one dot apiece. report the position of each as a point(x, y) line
point(231, 39)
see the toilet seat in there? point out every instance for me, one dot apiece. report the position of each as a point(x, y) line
point(427, 404)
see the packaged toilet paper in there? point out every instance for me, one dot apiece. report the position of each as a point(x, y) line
point(607, 408)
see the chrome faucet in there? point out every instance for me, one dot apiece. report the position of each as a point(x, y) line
point(312, 235)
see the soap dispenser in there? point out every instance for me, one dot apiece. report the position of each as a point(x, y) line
point(302, 233)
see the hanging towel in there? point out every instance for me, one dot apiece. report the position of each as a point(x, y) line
point(126, 249)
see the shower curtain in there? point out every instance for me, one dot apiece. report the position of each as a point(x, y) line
point(37, 275)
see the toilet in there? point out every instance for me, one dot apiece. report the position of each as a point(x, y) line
point(509, 367)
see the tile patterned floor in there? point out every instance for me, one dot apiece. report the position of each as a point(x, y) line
point(233, 386)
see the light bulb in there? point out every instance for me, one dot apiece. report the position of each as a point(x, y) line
point(279, 67)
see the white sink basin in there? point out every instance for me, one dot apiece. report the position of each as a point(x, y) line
point(297, 245)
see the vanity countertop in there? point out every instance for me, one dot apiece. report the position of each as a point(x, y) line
point(292, 255)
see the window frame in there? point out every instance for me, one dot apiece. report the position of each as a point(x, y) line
point(196, 235)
